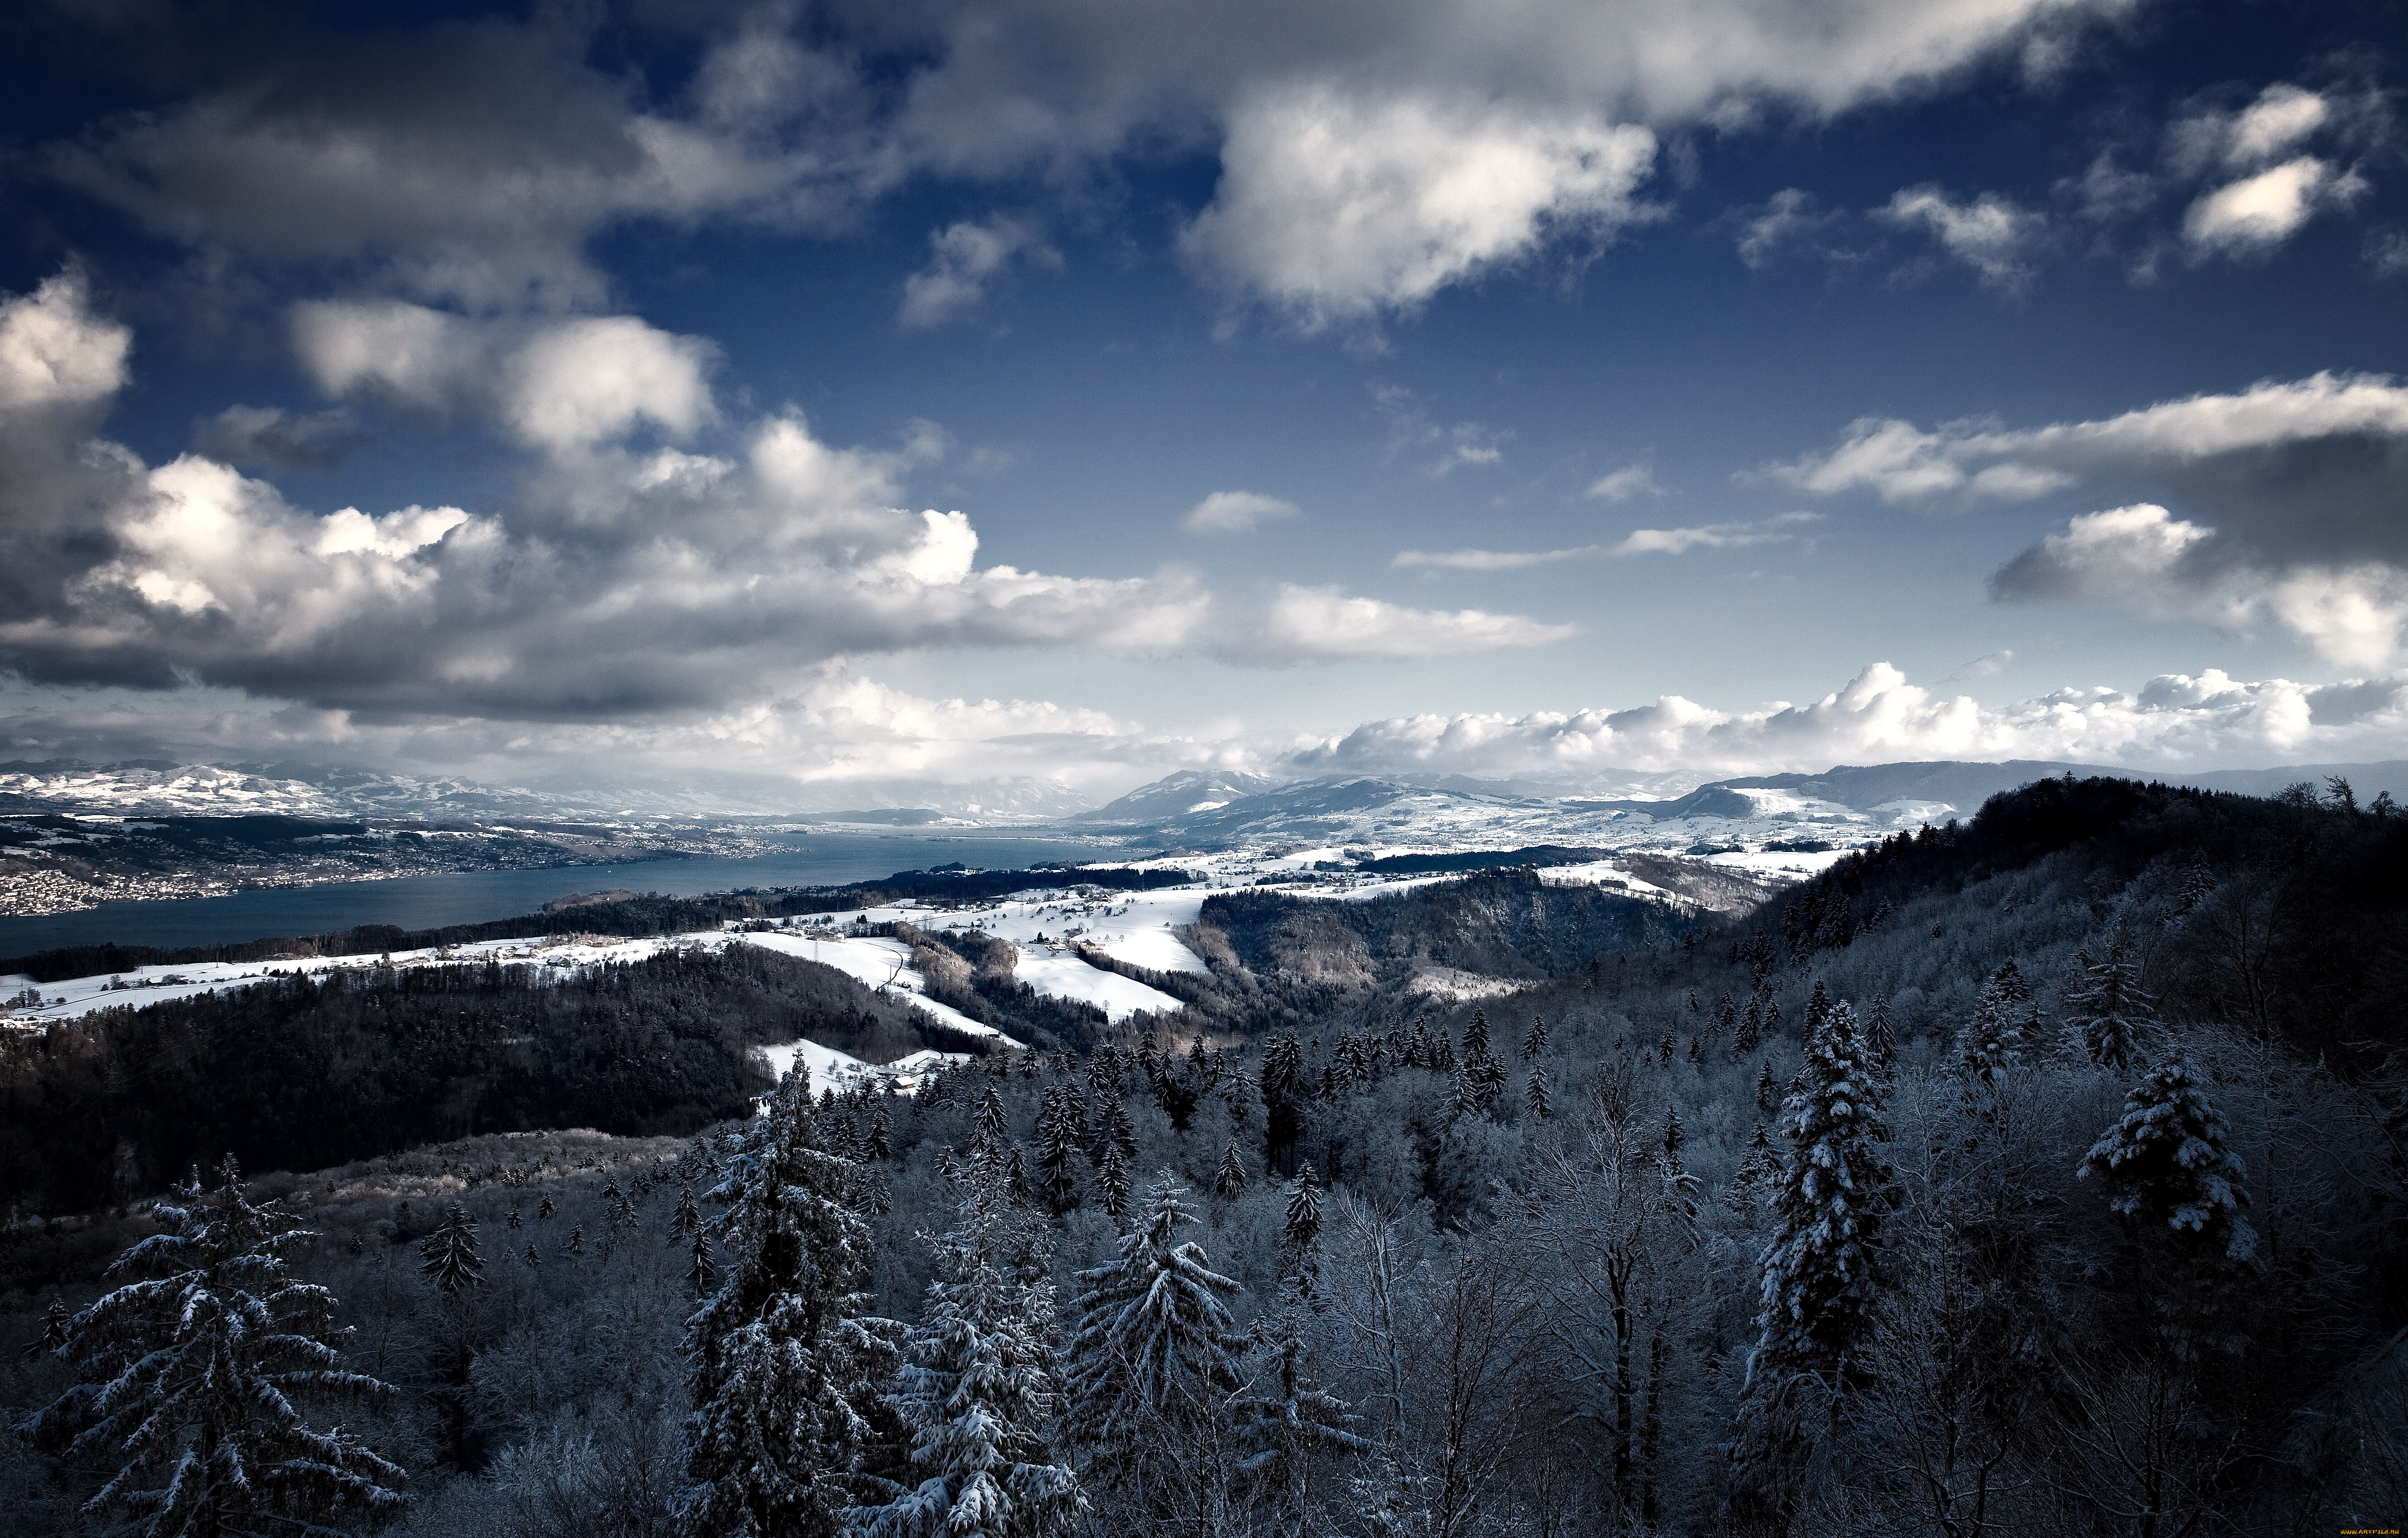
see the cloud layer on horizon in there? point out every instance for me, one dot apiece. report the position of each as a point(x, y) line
point(840, 730)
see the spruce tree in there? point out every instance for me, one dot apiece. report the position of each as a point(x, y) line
point(1475, 1036)
point(1989, 1048)
point(1534, 1094)
point(1154, 1343)
point(1534, 1041)
point(978, 1390)
point(1229, 1180)
point(784, 1363)
point(1881, 1039)
point(1751, 1028)
point(1117, 1131)
point(1112, 1183)
point(2110, 1014)
point(194, 1370)
point(993, 1122)
point(1818, 1270)
point(449, 1255)
point(1767, 1092)
point(1301, 1233)
point(1759, 1168)
point(1059, 1164)
point(1285, 1428)
point(2169, 1168)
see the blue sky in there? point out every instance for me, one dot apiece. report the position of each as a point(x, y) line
point(1560, 391)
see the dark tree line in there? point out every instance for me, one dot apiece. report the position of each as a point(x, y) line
point(297, 1074)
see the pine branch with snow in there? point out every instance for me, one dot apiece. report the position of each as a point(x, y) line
point(195, 1368)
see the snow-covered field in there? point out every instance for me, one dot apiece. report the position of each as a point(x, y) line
point(833, 1070)
point(872, 961)
point(1049, 928)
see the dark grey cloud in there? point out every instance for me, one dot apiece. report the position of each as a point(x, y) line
point(473, 160)
point(2290, 498)
point(274, 438)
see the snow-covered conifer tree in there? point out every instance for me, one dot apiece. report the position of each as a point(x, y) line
point(2112, 1016)
point(1751, 1028)
point(1990, 1046)
point(1115, 1130)
point(1154, 1340)
point(1759, 1169)
point(785, 1365)
point(978, 1390)
point(1229, 1180)
point(1285, 1428)
point(1059, 1163)
point(1881, 1036)
point(1475, 1036)
point(1302, 1230)
point(1535, 1098)
point(1534, 1041)
point(2169, 1168)
point(449, 1255)
point(1818, 1268)
point(1112, 1183)
point(196, 1366)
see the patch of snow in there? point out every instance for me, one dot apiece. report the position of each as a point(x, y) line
point(1058, 975)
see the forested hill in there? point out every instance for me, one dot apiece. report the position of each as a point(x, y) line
point(2294, 910)
point(2042, 1173)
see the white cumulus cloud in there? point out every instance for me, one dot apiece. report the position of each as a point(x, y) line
point(54, 351)
point(2260, 212)
point(558, 384)
point(1338, 205)
point(1625, 483)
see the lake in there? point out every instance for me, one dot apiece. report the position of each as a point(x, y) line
point(472, 896)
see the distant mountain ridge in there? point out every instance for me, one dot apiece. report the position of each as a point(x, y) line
point(1204, 806)
point(1845, 803)
point(154, 786)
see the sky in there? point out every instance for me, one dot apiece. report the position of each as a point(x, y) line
point(925, 393)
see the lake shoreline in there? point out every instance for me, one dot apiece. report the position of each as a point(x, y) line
point(818, 858)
